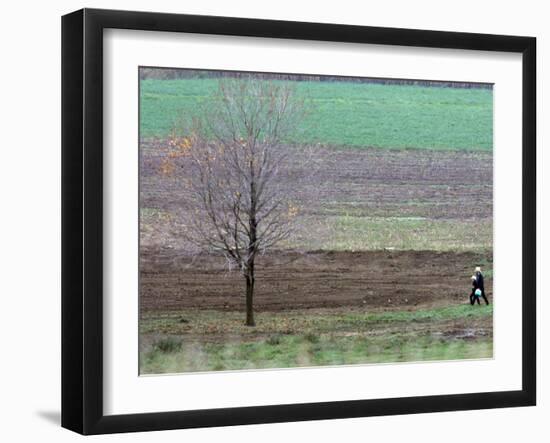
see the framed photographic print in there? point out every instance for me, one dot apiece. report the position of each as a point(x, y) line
point(269, 221)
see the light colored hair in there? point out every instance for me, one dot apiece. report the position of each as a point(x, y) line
point(478, 269)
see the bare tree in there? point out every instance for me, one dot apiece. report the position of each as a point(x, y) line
point(235, 167)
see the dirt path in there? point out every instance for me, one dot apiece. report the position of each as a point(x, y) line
point(290, 281)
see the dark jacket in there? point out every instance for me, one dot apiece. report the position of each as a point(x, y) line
point(479, 281)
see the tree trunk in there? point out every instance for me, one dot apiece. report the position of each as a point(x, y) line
point(249, 297)
point(252, 247)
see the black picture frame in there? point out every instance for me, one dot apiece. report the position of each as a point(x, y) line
point(82, 215)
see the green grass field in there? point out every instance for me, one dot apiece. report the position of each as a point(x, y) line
point(280, 340)
point(362, 233)
point(349, 114)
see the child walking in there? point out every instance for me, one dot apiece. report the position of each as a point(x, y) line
point(476, 292)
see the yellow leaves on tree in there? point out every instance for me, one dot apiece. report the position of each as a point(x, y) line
point(167, 167)
point(292, 211)
point(178, 147)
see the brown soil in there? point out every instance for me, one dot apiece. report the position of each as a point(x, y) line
point(316, 280)
point(454, 186)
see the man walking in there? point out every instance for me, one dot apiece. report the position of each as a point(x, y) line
point(480, 283)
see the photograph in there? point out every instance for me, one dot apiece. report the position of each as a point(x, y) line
point(297, 220)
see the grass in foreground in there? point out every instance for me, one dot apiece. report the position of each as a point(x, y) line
point(349, 114)
point(212, 340)
point(290, 351)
